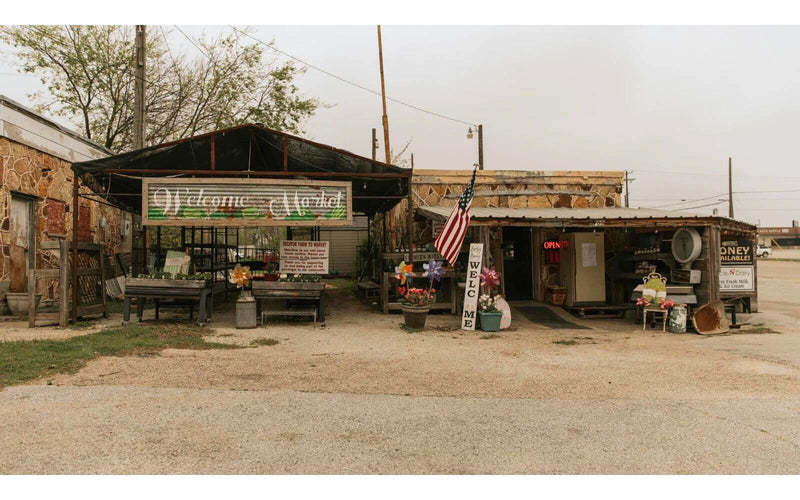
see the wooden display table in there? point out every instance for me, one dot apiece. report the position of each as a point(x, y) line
point(180, 292)
point(314, 292)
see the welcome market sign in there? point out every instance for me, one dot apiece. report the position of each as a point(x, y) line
point(246, 202)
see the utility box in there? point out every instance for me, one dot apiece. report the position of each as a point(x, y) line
point(583, 269)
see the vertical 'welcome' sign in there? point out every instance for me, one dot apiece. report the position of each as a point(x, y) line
point(468, 318)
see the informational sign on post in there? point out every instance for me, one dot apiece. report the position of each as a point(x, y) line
point(304, 257)
point(736, 278)
point(469, 317)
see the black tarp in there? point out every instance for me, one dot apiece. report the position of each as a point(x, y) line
point(243, 149)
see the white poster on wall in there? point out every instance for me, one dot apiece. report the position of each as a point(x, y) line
point(589, 254)
point(469, 317)
point(736, 278)
point(304, 257)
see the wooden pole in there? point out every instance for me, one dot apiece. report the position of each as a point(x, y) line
point(410, 221)
point(139, 89)
point(74, 268)
point(480, 147)
point(387, 148)
point(730, 188)
point(374, 143)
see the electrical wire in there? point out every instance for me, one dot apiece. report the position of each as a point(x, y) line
point(332, 75)
point(690, 201)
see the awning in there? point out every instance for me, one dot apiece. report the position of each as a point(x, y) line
point(568, 217)
point(245, 151)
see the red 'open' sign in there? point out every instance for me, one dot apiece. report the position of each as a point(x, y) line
point(554, 244)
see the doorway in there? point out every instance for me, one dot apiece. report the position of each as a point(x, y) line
point(22, 241)
point(517, 263)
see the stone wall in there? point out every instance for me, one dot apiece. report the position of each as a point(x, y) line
point(27, 171)
point(505, 189)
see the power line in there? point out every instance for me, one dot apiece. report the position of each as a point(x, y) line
point(701, 206)
point(690, 201)
point(350, 82)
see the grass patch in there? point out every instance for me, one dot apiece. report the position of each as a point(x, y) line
point(341, 283)
point(265, 341)
point(565, 342)
point(80, 325)
point(488, 336)
point(26, 360)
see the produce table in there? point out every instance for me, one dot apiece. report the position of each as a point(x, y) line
point(314, 292)
point(180, 292)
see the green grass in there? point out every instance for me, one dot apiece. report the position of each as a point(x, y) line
point(26, 360)
point(265, 341)
point(341, 283)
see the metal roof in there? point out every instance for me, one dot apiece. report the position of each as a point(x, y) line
point(563, 214)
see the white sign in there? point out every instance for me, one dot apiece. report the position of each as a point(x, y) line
point(736, 278)
point(589, 254)
point(304, 257)
point(468, 318)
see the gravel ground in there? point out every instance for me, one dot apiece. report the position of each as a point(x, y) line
point(363, 396)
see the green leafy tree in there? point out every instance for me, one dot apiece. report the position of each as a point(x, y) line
point(88, 72)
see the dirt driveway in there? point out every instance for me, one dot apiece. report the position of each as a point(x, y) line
point(364, 396)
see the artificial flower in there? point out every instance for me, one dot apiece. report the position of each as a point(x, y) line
point(241, 276)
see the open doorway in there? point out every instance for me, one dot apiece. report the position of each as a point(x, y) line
point(517, 263)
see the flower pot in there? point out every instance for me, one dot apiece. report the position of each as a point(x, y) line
point(18, 303)
point(490, 321)
point(415, 316)
point(246, 310)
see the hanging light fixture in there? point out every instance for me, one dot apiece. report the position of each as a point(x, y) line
point(469, 133)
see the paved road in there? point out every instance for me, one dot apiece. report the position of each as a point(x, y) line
point(153, 431)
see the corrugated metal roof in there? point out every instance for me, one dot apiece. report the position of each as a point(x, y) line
point(565, 213)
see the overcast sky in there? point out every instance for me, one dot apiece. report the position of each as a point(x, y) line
point(670, 104)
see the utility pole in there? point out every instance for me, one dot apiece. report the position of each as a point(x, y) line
point(730, 188)
point(627, 189)
point(480, 147)
point(383, 96)
point(374, 143)
point(412, 161)
point(139, 89)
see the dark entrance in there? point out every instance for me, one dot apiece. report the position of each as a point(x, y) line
point(517, 263)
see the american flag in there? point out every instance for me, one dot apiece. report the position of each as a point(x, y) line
point(449, 241)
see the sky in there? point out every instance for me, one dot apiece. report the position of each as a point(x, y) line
point(668, 104)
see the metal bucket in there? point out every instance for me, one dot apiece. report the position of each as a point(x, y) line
point(246, 312)
point(676, 321)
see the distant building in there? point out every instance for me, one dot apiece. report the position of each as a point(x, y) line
point(780, 236)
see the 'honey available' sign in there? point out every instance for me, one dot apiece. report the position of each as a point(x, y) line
point(246, 202)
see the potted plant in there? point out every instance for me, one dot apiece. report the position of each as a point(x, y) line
point(271, 267)
point(416, 302)
point(488, 313)
point(245, 304)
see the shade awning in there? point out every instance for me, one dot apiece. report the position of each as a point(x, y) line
point(245, 151)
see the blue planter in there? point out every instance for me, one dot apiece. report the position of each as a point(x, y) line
point(490, 321)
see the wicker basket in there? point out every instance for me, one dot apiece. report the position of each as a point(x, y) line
point(556, 296)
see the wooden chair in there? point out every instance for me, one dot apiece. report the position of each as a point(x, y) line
point(653, 290)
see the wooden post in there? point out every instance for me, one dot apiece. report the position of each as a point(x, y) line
point(63, 278)
point(139, 97)
point(411, 217)
point(285, 154)
point(713, 263)
point(32, 297)
point(74, 268)
point(102, 257)
point(213, 153)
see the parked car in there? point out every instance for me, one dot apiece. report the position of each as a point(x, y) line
point(762, 251)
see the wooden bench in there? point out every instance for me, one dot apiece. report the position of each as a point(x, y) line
point(368, 289)
point(284, 290)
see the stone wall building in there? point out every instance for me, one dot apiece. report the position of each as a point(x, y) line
point(504, 189)
point(36, 196)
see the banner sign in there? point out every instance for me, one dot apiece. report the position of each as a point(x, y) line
point(304, 257)
point(736, 278)
point(246, 202)
point(469, 317)
point(737, 253)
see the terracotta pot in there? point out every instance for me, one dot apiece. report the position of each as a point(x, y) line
point(415, 316)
